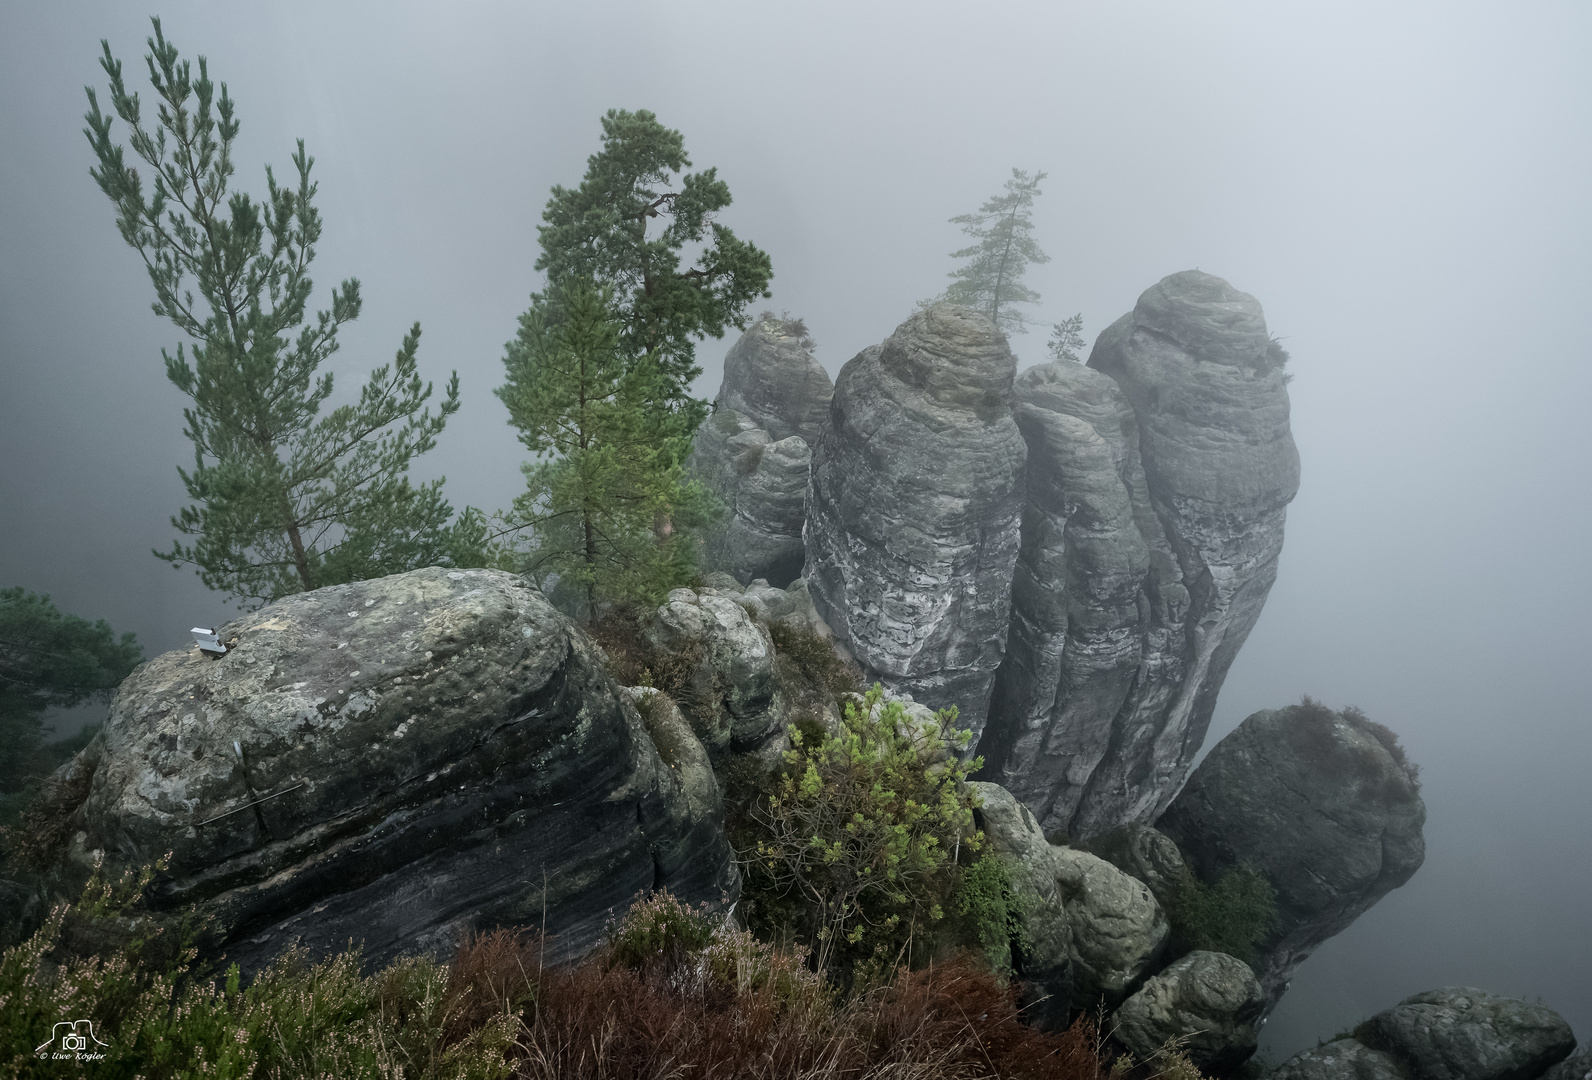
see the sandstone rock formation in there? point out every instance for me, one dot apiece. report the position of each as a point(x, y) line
point(913, 508)
point(394, 761)
point(756, 448)
point(771, 378)
point(764, 488)
point(1151, 529)
point(1341, 1059)
point(1147, 854)
point(1461, 1033)
point(1207, 999)
point(1323, 803)
point(1455, 1033)
point(1578, 1067)
point(1094, 931)
point(733, 702)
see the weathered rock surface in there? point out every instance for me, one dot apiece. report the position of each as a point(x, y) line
point(1322, 803)
point(1461, 1033)
point(1073, 652)
point(1094, 931)
point(426, 753)
point(913, 509)
point(771, 378)
point(1208, 999)
point(1341, 1059)
point(1147, 854)
point(1578, 1067)
point(734, 702)
point(764, 488)
point(1151, 531)
point(756, 449)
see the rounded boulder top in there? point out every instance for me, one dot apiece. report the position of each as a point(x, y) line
point(954, 355)
point(1208, 318)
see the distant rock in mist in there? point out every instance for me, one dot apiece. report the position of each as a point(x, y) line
point(1157, 487)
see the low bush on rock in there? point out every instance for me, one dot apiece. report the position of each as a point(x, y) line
point(1231, 915)
point(862, 846)
point(809, 663)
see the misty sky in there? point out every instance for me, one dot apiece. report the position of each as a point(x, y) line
point(1405, 187)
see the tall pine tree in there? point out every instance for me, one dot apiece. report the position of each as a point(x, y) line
point(992, 279)
point(285, 498)
point(626, 228)
point(600, 481)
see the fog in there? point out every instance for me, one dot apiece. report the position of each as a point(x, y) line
point(1404, 187)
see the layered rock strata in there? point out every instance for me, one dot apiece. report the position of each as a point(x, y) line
point(771, 378)
point(1205, 380)
point(1157, 486)
point(756, 449)
point(394, 761)
point(1323, 803)
point(913, 509)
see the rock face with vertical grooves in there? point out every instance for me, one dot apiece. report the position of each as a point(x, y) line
point(913, 509)
point(756, 449)
point(1158, 483)
point(1323, 804)
point(441, 746)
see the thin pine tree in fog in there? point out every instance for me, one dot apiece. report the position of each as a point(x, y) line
point(284, 498)
point(992, 279)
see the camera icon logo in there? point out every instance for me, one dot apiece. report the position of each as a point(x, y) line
point(71, 1037)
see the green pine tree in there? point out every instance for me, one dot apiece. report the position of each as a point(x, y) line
point(1066, 339)
point(285, 498)
point(48, 660)
point(600, 232)
point(600, 483)
point(992, 279)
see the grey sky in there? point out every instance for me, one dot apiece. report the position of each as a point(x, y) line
point(1405, 188)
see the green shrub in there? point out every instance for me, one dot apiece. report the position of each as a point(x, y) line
point(660, 934)
point(1232, 915)
point(992, 911)
point(860, 836)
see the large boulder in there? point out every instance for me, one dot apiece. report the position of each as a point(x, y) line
point(1341, 1059)
point(913, 509)
point(732, 698)
point(1460, 1033)
point(1208, 1000)
point(1150, 542)
point(771, 378)
point(395, 761)
point(1323, 803)
point(756, 449)
point(1093, 931)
